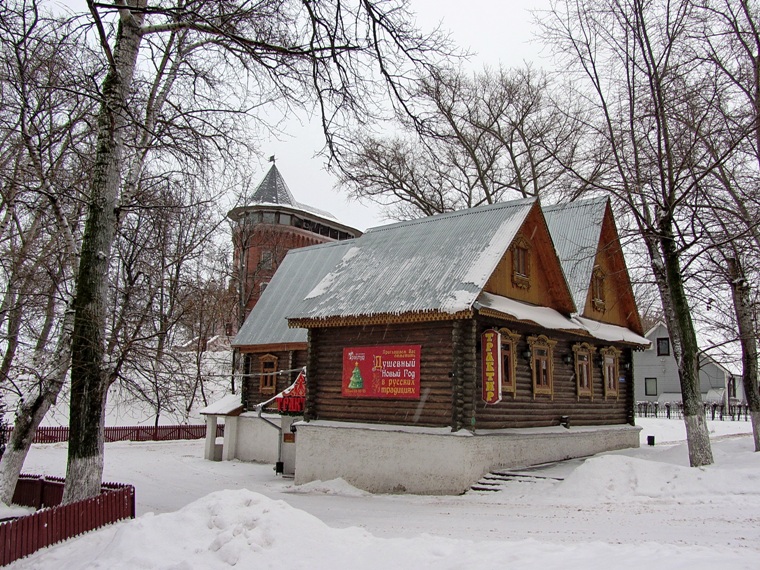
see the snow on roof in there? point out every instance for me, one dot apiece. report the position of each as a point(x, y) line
point(551, 319)
point(575, 229)
point(298, 273)
point(440, 263)
point(227, 405)
point(542, 316)
point(604, 331)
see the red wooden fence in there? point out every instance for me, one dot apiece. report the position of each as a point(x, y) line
point(128, 433)
point(25, 535)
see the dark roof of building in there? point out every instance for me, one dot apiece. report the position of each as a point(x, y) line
point(272, 190)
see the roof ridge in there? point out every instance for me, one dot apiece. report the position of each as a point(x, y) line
point(455, 214)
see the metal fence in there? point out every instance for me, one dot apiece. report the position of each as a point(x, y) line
point(128, 433)
point(674, 410)
point(55, 522)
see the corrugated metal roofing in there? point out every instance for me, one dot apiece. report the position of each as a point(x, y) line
point(298, 273)
point(576, 229)
point(440, 263)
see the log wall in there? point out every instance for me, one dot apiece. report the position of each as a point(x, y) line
point(286, 360)
point(325, 371)
point(524, 410)
point(451, 380)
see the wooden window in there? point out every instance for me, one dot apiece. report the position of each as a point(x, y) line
point(268, 371)
point(542, 365)
point(584, 371)
point(650, 386)
point(509, 363)
point(597, 289)
point(663, 346)
point(521, 263)
point(610, 359)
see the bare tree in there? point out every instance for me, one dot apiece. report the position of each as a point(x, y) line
point(479, 138)
point(44, 136)
point(305, 52)
point(652, 99)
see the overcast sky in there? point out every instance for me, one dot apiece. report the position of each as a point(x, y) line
point(497, 30)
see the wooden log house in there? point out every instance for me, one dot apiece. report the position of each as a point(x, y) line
point(443, 347)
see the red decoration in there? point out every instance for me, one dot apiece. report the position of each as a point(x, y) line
point(492, 366)
point(388, 372)
point(292, 400)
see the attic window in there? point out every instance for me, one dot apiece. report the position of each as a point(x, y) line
point(521, 263)
point(597, 289)
point(584, 379)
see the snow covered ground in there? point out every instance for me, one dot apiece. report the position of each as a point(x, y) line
point(632, 509)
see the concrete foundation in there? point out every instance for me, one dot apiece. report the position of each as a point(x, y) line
point(385, 459)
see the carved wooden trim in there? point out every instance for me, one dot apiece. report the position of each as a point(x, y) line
point(380, 319)
point(611, 371)
point(542, 365)
point(584, 369)
point(509, 354)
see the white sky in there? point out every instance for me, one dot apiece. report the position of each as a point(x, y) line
point(495, 31)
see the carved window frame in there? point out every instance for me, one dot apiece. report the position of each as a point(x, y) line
point(584, 369)
point(509, 361)
point(611, 371)
point(542, 365)
point(597, 289)
point(268, 374)
point(521, 253)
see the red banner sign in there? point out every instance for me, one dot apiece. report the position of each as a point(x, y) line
point(382, 372)
point(292, 400)
point(492, 366)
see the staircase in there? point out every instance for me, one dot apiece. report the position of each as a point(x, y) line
point(496, 481)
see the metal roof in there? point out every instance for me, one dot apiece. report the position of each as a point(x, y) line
point(298, 273)
point(273, 190)
point(576, 230)
point(440, 263)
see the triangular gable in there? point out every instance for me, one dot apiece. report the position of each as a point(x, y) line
point(545, 284)
point(618, 304)
point(588, 246)
point(435, 266)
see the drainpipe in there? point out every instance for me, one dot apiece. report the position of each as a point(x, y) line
point(278, 467)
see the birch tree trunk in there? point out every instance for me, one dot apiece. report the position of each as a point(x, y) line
point(33, 410)
point(89, 373)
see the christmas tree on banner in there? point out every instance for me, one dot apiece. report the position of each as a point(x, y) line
point(357, 382)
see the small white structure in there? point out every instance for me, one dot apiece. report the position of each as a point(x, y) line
point(228, 408)
point(656, 374)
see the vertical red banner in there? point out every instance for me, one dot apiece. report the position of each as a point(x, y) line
point(492, 366)
point(382, 372)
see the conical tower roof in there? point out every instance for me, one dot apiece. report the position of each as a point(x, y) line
point(273, 190)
